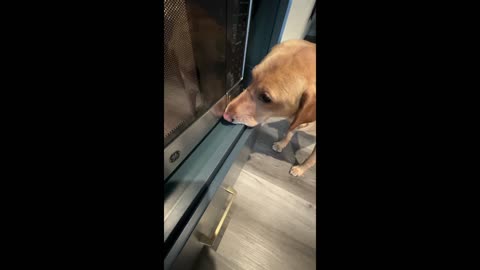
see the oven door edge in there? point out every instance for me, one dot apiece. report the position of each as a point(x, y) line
point(180, 148)
point(183, 145)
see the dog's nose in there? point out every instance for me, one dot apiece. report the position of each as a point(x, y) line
point(227, 117)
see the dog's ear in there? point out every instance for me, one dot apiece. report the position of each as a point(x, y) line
point(307, 110)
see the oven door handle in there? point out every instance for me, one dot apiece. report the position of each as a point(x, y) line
point(209, 241)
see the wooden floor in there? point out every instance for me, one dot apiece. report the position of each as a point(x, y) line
point(272, 221)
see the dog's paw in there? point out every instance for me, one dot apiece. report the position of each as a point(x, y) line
point(297, 171)
point(278, 147)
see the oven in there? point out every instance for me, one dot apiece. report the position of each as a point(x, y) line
point(204, 61)
point(205, 64)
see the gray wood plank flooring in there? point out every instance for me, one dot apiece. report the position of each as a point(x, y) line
point(272, 220)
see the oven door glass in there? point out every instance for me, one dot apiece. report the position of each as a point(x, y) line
point(194, 61)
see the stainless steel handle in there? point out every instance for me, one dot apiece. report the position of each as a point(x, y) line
point(209, 241)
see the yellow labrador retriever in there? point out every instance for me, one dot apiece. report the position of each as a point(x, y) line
point(283, 85)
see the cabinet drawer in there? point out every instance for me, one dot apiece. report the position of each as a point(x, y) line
point(206, 233)
point(209, 230)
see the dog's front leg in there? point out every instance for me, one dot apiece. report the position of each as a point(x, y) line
point(280, 145)
point(299, 170)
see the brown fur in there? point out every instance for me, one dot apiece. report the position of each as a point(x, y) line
point(287, 76)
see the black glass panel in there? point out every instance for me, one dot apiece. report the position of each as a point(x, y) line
point(194, 53)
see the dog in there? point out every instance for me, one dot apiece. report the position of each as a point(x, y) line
point(283, 85)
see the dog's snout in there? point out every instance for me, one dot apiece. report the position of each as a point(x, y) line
point(227, 117)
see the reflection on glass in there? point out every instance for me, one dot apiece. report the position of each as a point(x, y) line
point(194, 67)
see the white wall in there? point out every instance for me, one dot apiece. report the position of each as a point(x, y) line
point(297, 19)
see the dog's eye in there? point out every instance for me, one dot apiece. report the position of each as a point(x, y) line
point(265, 98)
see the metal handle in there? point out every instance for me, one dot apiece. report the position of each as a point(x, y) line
point(209, 241)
